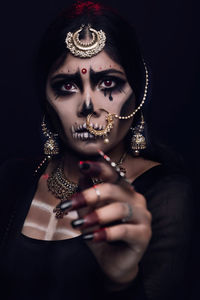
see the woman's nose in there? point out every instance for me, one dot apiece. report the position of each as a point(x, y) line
point(86, 108)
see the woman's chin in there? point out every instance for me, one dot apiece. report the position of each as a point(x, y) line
point(89, 147)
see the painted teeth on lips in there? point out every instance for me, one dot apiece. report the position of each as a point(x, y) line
point(80, 131)
point(83, 135)
point(83, 127)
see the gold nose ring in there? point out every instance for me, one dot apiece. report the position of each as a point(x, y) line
point(102, 132)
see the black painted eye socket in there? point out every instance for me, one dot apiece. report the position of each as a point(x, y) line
point(112, 84)
point(108, 83)
point(67, 86)
point(63, 88)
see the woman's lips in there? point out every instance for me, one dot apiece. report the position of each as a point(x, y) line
point(80, 131)
point(83, 136)
point(83, 127)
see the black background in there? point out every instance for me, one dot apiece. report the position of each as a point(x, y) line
point(169, 37)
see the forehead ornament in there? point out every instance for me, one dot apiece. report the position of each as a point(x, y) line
point(85, 49)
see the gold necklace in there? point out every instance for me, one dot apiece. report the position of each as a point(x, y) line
point(59, 185)
point(63, 189)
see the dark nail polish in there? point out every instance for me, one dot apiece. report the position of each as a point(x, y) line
point(93, 170)
point(77, 223)
point(62, 206)
point(77, 201)
point(96, 236)
point(89, 220)
point(65, 205)
point(84, 165)
point(88, 236)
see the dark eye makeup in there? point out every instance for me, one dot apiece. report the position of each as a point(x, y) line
point(106, 84)
point(65, 87)
point(62, 87)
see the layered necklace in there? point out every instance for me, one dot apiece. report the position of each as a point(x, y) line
point(59, 185)
point(62, 188)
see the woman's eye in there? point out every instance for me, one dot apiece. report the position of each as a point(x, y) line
point(107, 84)
point(68, 87)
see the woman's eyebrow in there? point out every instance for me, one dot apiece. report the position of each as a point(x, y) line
point(97, 76)
point(105, 72)
point(73, 76)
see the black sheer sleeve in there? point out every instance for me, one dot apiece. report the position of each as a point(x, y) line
point(164, 267)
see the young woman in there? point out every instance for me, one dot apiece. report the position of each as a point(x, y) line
point(103, 215)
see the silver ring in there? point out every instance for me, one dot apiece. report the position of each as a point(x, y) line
point(97, 191)
point(130, 214)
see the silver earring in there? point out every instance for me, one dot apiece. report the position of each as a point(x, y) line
point(138, 141)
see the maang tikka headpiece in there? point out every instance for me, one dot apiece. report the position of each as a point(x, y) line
point(85, 49)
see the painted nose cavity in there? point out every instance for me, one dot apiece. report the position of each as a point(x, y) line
point(87, 108)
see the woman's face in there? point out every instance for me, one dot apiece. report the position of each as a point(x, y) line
point(81, 86)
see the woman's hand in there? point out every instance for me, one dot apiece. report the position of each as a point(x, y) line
point(114, 220)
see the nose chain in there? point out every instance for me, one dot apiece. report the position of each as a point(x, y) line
point(110, 116)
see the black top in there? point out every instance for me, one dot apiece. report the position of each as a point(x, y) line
point(67, 269)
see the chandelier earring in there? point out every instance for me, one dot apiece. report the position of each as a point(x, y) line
point(138, 140)
point(51, 147)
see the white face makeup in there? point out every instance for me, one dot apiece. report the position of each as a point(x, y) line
point(81, 86)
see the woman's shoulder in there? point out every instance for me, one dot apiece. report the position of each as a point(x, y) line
point(162, 175)
point(166, 186)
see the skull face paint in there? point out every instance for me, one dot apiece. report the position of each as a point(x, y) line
point(106, 90)
point(125, 110)
point(110, 96)
point(110, 84)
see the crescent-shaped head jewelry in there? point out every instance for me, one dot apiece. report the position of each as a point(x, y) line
point(85, 49)
point(102, 132)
